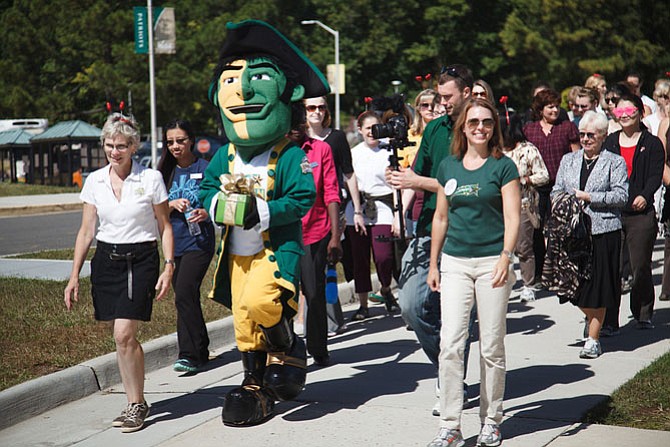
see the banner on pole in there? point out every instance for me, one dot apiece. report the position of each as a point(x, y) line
point(165, 38)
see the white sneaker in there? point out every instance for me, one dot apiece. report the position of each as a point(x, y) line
point(448, 438)
point(527, 294)
point(489, 436)
point(591, 349)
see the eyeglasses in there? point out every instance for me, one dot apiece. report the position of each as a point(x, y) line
point(663, 96)
point(621, 111)
point(118, 147)
point(313, 108)
point(179, 141)
point(474, 123)
point(612, 99)
point(588, 135)
point(451, 71)
point(479, 94)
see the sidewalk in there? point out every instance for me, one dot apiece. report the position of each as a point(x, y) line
point(40, 203)
point(379, 391)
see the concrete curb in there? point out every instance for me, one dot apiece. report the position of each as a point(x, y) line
point(32, 398)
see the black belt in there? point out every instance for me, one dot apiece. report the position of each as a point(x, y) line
point(127, 252)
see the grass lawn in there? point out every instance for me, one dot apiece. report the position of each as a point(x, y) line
point(26, 189)
point(642, 402)
point(39, 336)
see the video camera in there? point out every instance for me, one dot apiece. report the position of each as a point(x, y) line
point(395, 127)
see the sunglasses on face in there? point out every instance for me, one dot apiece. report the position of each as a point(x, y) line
point(474, 123)
point(425, 105)
point(621, 111)
point(612, 99)
point(179, 141)
point(582, 106)
point(479, 94)
point(587, 135)
point(311, 108)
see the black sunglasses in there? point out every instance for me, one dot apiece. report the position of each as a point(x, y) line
point(451, 71)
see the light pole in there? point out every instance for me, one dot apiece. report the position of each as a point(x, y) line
point(337, 65)
point(396, 84)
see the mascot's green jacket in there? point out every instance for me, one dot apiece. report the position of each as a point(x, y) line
point(290, 194)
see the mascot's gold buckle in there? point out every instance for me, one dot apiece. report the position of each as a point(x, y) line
point(279, 358)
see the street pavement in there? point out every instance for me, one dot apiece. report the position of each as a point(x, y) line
point(379, 390)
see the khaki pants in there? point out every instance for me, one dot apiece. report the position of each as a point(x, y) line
point(466, 281)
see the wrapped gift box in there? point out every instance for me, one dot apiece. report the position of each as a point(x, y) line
point(232, 207)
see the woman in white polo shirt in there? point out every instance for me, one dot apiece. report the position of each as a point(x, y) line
point(130, 202)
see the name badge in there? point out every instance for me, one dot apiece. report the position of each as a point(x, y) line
point(196, 175)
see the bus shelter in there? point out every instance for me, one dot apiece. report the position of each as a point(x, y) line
point(66, 152)
point(15, 155)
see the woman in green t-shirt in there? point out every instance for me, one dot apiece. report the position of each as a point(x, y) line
point(478, 214)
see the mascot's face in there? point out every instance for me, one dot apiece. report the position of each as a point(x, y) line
point(248, 97)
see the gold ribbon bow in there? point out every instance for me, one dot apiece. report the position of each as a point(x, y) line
point(236, 183)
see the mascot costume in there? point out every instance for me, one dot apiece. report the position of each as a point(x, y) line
point(258, 187)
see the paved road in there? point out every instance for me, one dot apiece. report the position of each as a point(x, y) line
point(52, 231)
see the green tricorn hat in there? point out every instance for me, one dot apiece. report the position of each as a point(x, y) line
point(254, 37)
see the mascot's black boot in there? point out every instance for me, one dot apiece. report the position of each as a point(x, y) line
point(286, 368)
point(250, 403)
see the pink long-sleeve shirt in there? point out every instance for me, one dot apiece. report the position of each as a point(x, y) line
point(316, 223)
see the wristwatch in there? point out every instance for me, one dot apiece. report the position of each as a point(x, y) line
point(509, 254)
point(169, 261)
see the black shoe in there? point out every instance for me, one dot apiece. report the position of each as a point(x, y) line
point(322, 360)
point(361, 314)
point(390, 302)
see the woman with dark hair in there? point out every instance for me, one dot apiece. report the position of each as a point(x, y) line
point(193, 238)
point(645, 159)
point(532, 173)
point(553, 137)
point(477, 214)
point(612, 96)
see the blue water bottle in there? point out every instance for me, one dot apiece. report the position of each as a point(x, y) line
point(331, 284)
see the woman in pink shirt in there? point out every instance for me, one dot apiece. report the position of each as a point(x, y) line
point(321, 238)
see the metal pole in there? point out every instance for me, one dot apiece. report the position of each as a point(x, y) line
point(152, 87)
point(337, 65)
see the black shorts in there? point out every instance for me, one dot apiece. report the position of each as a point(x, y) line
point(110, 278)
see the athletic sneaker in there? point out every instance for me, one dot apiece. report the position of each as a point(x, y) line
point(527, 294)
point(489, 436)
point(448, 438)
point(591, 349)
point(118, 421)
point(135, 416)
point(185, 365)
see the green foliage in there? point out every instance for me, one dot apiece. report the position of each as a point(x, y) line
point(63, 59)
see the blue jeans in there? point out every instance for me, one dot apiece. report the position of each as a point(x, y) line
point(420, 306)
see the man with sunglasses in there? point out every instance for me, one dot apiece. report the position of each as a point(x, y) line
point(586, 99)
point(419, 305)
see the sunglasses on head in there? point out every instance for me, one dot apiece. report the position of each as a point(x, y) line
point(589, 135)
point(474, 123)
point(621, 111)
point(312, 108)
point(451, 71)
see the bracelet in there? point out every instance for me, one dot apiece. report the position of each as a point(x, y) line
point(169, 261)
point(509, 254)
point(358, 213)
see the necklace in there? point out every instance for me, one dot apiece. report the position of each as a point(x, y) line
point(590, 163)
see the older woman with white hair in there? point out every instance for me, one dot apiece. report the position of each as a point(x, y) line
point(599, 179)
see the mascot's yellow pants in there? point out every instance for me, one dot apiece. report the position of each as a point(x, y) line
point(256, 298)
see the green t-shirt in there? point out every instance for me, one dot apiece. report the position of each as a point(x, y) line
point(476, 223)
point(435, 145)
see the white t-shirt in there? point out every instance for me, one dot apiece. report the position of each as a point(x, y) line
point(132, 219)
point(370, 170)
point(249, 242)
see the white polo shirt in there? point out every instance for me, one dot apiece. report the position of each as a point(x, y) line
point(370, 170)
point(132, 219)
